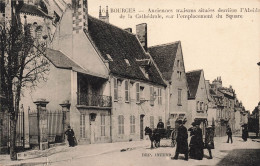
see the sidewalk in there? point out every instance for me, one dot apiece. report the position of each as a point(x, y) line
point(65, 153)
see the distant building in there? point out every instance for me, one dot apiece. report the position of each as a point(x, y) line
point(221, 107)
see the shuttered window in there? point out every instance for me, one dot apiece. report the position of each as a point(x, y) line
point(126, 91)
point(151, 95)
point(132, 124)
point(151, 122)
point(115, 90)
point(120, 124)
point(82, 126)
point(138, 92)
point(103, 125)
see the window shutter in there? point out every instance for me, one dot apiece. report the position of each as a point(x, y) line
point(115, 90)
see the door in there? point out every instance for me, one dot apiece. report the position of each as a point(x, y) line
point(92, 131)
point(92, 126)
point(141, 126)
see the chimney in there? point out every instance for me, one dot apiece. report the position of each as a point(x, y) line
point(8, 11)
point(80, 15)
point(128, 30)
point(141, 32)
point(104, 18)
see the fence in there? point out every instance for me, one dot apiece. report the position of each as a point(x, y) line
point(55, 127)
point(55, 124)
point(5, 131)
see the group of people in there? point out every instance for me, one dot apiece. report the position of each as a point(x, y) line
point(195, 149)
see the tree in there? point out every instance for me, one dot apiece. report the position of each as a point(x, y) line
point(23, 64)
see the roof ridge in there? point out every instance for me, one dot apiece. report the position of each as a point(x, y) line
point(166, 44)
point(194, 70)
point(111, 25)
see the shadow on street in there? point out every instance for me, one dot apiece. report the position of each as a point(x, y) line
point(239, 157)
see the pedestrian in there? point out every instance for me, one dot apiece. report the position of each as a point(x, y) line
point(229, 133)
point(244, 132)
point(209, 140)
point(192, 140)
point(182, 141)
point(160, 124)
point(70, 136)
point(196, 142)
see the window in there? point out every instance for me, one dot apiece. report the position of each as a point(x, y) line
point(82, 126)
point(126, 91)
point(132, 124)
point(127, 62)
point(201, 106)
point(137, 92)
point(178, 63)
point(151, 95)
point(160, 96)
point(151, 122)
point(115, 90)
point(179, 96)
point(103, 125)
point(120, 124)
point(198, 105)
point(179, 75)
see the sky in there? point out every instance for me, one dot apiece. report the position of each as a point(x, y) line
point(221, 47)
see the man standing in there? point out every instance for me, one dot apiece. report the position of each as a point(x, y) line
point(209, 139)
point(229, 133)
point(70, 136)
point(244, 132)
point(182, 141)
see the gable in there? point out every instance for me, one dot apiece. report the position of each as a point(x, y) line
point(164, 56)
point(193, 80)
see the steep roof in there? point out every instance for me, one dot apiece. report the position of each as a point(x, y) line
point(120, 47)
point(164, 56)
point(60, 60)
point(33, 10)
point(193, 79)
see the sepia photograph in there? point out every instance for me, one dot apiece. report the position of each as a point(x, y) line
point(129, 83)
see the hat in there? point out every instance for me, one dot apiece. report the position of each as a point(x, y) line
point(179, 121)
point(193, 123)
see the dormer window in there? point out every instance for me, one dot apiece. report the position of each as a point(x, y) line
point(127, 62)
point(109, 57)
point(144, 72)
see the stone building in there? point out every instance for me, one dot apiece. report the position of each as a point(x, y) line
point(198, 98)
point(221, 107)
point(103, 78)
point(170, 61)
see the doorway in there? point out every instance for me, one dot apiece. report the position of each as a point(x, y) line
point(141, 126)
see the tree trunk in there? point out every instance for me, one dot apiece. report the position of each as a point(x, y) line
point(13, 151)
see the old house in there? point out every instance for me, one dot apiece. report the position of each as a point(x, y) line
point(102, 77)
point(169, 59)
point(198, 97)
point(222, 107)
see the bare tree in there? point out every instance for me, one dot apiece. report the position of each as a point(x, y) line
point(23, 64)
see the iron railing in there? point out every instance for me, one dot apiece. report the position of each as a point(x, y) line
point(94, 100)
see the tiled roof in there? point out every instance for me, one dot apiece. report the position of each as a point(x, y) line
point(121, 45)
point(60, 60)
point(164, 56)
point(193, 79)
point(33, 10)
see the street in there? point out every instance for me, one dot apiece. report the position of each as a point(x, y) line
point(137, 153)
